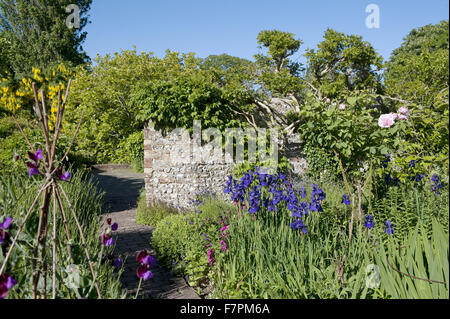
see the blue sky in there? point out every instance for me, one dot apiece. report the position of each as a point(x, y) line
point(231, 26)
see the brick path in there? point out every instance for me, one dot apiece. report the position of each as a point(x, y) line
point(122, 188)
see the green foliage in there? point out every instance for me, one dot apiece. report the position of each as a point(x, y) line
point(180, 239)
point(170, 238)
point(37, 33)
point(266, 259)
point(351, 135)
point(5, 55)
point(131, 150)
point(224, 62)
point(240, 169)
point(277, 73)
point(152, 215)
point(407, 206)
point(177, 102)
point(418, 74)
point(16, 195)
point(420, 256)
point(103, 95)
point(13, 143)
point(343, 63)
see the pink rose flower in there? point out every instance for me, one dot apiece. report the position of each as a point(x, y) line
point(403, 110)
point(386, 120)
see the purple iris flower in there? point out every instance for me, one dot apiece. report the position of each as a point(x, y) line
point(412, 163)
point(317, 193)
point(117, 263)
point(386, 161)
point(389, 228)
point(436, 187)
point(368, 222)
point(303, 192)
point(345, 200)
point(298, 224)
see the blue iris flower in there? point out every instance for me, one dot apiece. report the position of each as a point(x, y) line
point(389, 228)
point(368, 222)
point(345, 200)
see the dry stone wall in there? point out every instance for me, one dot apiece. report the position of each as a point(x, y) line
point(174, 173)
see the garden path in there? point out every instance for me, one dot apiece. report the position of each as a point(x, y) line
point(122, 187)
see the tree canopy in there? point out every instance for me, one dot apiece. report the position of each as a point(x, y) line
point(38, 35)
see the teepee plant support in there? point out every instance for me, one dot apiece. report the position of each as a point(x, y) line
point(50, 190)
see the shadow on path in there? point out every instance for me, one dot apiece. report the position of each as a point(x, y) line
point(122, 188)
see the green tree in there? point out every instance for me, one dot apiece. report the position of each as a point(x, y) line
point(5, 55)
point(102, 92)
point(343, 63)
point(38, 33)
point(418, 70)
point(224, 62)
point(417, 77)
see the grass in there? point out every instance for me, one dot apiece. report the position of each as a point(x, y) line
point(16, 194)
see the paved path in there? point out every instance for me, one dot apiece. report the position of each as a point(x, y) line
point(122, 188)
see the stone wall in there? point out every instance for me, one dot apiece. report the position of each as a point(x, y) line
point(174, 173)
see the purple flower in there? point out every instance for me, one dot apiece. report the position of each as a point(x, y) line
point(107, 240)
point(412, 164)
point(149, 260)
point(345, 200)
point(36, 157)
point(6, 283)
point(389, 228)
point(114, 227)
point(61, 176)
point(6, 223)
point(224, 245)
point(368, 222)
point(141, 255)
point(403, 110)
point(144, 272)
point(211, 256)
point(32, 169)
point(298, 224)
point(436, 187)
point(117, 263)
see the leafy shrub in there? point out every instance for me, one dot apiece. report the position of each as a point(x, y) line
point(170, 239)
point(152, 215)
point(182, 241)
point(131, 150)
